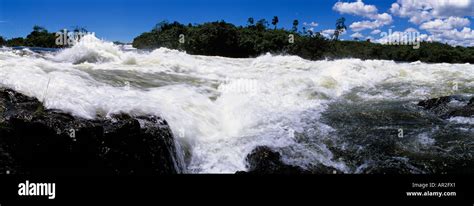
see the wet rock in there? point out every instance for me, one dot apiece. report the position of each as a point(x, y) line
point(34, 140)
point(439, 106)
point(444, 108)
point(466, 111)
point(263, 160)
point(435, 102)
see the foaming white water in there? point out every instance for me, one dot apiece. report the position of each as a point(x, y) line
point(462, 120)
point(92, 50)
point(221, 108)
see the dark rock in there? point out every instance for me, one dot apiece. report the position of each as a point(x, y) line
point(34, 140)
point(263, 160)
point(441, 106)
point(435, 102)
point(467, 111)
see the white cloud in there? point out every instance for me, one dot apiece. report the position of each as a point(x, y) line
point(363, 25)
point(358, 8)
point(464, 37)
point(384, 18)
point(377, 31)
point(312, 24)
point(444, 8)
point(411, 29)
point(357, 35)
point(420, 11)
point(425, 37)
point(329, 32)
point(416, 12)
point(444, 20)
point(439, 25)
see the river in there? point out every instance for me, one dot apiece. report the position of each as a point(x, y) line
point(353, 115)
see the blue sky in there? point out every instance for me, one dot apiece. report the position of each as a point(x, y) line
point(124, 19)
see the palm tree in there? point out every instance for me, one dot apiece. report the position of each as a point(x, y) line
point(340, 27)
point(39, 29)
point(295, 25)
point(262, 24)
point(275, 21)
point(250, 21)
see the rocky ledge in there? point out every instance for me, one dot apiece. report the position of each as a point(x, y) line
point(449, 106)
point(35, 140)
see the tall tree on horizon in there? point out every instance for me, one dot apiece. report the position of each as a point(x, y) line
point(38, 29)
point(250, 21)
point(275, 21)
point(295, 25)
point(340, 27)
point(262, 24)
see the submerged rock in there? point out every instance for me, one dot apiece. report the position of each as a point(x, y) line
point(34, 140)
point(263, 160)
point(445, 108)
point(467, 111)
point(436, 102)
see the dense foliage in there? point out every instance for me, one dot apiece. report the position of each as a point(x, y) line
point(225, 39)
point(39, 37)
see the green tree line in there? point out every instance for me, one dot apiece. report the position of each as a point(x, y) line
point(39, 37)
point(224, 39)
point(259, 37)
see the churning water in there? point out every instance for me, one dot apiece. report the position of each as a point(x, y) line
point(346, 114)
